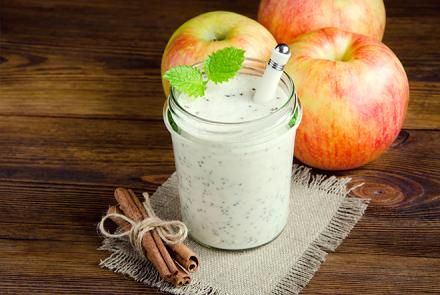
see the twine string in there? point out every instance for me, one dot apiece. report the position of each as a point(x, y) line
point(170, 231)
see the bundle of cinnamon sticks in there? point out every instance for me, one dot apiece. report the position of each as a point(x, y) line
point(174, 262)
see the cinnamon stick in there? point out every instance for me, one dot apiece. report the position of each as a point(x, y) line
point(157, 261)
point(185, 256)
point(156, 251)
point(159, 243)
point(154, 255)
point(181, 278)
point(119, 222)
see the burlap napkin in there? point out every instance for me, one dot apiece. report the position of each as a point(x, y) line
point(321, 216)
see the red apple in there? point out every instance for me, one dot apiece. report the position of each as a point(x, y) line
point(193, 41)
point(287, 19)
point(354, 93)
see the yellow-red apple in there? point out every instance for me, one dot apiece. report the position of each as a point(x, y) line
point(287, 19)
point(193, 41)
point(354, 93)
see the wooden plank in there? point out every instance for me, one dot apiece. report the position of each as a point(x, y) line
point(80, 97)
point(72, 268)
point(424, 106)
point(94, 151)
point(74, 217)
point(51, 267)
point(114, 151)
point(375, 274)
point(380, 234)
point(37, 81)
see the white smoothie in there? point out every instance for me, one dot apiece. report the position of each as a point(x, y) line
point(231, 102)
point(234, 194)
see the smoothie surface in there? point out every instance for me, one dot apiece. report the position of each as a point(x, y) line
point(231, 102)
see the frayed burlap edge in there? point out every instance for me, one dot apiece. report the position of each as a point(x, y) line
point(125, 260)
point(346, 217)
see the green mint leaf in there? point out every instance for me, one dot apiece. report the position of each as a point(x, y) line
point(186, 79)
point(294, 118)
point(223, 64)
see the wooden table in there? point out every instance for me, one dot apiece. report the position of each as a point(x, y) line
point(81, 113)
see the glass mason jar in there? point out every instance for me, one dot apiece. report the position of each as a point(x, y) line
point(234, 178)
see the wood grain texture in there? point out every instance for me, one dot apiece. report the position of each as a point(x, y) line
point(81, 113)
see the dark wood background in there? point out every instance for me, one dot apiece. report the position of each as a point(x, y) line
point(81, 113)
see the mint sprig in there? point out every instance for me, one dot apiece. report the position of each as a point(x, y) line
point(219, 67)
point(223, 64)
point(187, 79)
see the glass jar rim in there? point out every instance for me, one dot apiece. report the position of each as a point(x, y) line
point(172, 97)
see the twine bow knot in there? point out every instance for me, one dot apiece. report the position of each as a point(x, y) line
point(171, 232)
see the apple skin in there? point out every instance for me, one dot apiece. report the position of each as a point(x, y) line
point(193, 41)
point(287, 19)
point(354, 93)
